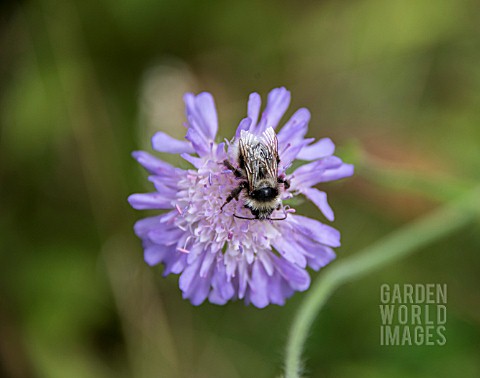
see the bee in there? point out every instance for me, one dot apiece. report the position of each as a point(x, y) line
point(258, 174)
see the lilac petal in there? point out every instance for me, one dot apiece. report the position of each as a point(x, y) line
point(267, 262)
point(277, 293)
point(205, 106)
point(297, 278)
point(323, 255)
point(207, 263)
point(289, 251)
point(345, 170)
point(165, 143)
point(315, 252)
point(189, 273)
point(315, 230)
point(189, 278)
point(277, 105)
point(220, 154)
point(329, 162)
point(156, 254)
point(222, 288)
point(320, 200)
point(311, 174)
point(254, 103)
point(201, 145)
point(166, 235)
point(144, 201)
point(242, 278)
point(201, 114)
point(295, 128)
point(162, 186)
point(289, 153)
point(193, 286)
point(154, 165)
point(259, 286)
point(144, 226)
point(200, 293)
point(177, 262)
point(243, 125)
point(168, 181)
point(322, 148)
point(196, 162)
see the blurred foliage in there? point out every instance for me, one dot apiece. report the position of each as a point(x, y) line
point(84, 83)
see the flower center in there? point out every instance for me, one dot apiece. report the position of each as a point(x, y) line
point(202, 193)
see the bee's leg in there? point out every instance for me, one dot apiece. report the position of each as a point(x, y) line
point(235, 193)
point(236, 172)
point(284, 181)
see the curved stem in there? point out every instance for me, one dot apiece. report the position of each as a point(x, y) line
point(398, 244)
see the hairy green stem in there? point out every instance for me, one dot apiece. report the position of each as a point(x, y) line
point(398, 244)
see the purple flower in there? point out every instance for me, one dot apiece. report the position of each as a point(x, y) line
point(218, 255)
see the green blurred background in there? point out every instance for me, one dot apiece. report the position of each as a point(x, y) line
point(396, 84)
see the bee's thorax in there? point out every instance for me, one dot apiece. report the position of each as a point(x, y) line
point(265, 194)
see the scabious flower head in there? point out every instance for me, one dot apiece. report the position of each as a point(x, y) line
point(219, 256)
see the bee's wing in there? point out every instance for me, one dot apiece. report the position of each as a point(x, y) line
point(270, 142)
point(259, 156)
point(248, 153)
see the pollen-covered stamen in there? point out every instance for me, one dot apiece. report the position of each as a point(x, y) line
point(178, 209)
point(185, 249)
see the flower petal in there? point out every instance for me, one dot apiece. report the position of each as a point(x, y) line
point(312, 173)
point(143, 226)
point(222, 288)
point(188, 275)
point(243, 125)
point(155, 254)
point(175, 262)
point(166, 187)
point(296, 127)
point(320, 200)
point(207, 262)
point(277, 104)
point(345, 170)
point(194, 287)
point(199, 142)
point(315, 230)
point(165, 235)
point(258, 286)
point(289, 154)
point(205, 106)
point(242, 278)
point(323, 255)
point(202, 114)
point(162, 142)
point(289, 252)
point(322, 148)
point(254, 104)
point(296, 277)
point(279, 289)
point(196, 162)
point(153, 164)
point(145, 201)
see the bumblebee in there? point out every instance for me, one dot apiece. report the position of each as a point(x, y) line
point(257, 171)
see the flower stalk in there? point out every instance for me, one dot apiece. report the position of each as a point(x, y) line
point(406, 240)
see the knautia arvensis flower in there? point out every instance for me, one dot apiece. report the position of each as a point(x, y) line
point(218, 255)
